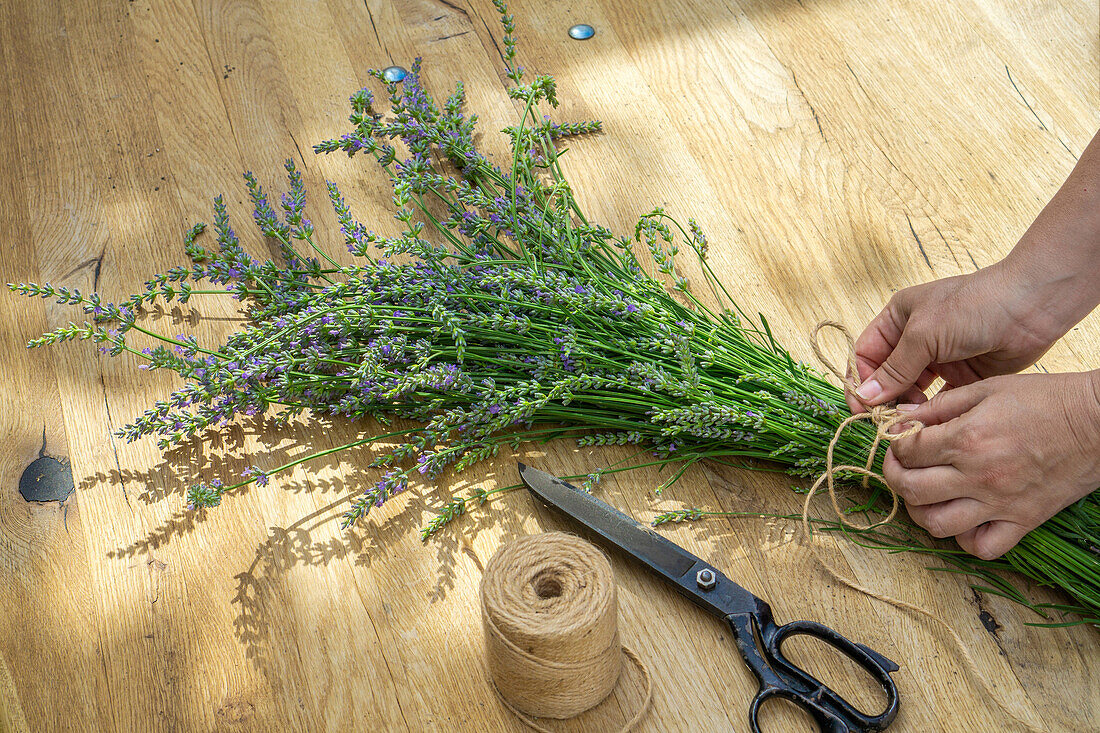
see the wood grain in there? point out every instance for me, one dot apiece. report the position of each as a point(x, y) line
point(834, 151)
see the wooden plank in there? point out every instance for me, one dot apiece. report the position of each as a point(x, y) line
point(46, 637)
point(833, 151)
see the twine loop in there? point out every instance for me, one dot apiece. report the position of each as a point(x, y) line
point(883, 417)
point(550, 613)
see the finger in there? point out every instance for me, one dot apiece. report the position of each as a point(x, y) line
point(877, 342)
point(913, 396)
point(931, 446)
point(924, 486)
point(865, 367)
point(854, 405)
point(948, 404)
point(880, 337)
point(911, 399)
point(950, 518)
point(901, 369)
point(992, 539)
point(924, 381)
point(957, 373)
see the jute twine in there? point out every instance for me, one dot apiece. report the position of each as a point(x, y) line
point(884, 418)
point(550, 613)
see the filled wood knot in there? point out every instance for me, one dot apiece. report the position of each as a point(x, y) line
point(46, 479)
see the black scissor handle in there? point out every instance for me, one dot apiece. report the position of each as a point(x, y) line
point(827, 721)
point(760, 642)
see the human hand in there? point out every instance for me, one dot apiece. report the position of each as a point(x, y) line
point(1000, 319)
point(999, 457)
point(962, 329)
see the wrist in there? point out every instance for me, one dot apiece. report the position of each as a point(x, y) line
point(1054, 266)
point(1093, 396)
point(1033, 298)
point(1092, 411)
point(1049, 282)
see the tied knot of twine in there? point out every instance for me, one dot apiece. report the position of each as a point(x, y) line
point(883, 417)
point(550, 611)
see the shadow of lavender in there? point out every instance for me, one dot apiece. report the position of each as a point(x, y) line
point(224, 453)
point(227, 451)
point(287, 547)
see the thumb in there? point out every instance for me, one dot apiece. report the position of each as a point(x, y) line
point(900, 370)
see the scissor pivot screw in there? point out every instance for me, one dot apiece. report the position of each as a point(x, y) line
point(706, 579)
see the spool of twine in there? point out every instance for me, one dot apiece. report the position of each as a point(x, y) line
point(550, 613)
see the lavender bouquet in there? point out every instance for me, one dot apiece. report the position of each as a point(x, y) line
point(501, 315)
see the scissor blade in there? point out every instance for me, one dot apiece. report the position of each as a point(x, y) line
point(661, 555)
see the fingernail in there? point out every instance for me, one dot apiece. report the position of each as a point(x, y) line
point(869, 390)
point(907, 407)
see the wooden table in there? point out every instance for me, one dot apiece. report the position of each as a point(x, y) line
point(834, 150)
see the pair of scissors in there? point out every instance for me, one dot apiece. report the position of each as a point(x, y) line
point(757, 636)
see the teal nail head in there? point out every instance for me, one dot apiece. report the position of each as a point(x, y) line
point(581, 32)
point(394, 73)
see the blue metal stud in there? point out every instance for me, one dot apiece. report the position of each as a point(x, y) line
point(581, 32)
point(394, 73)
